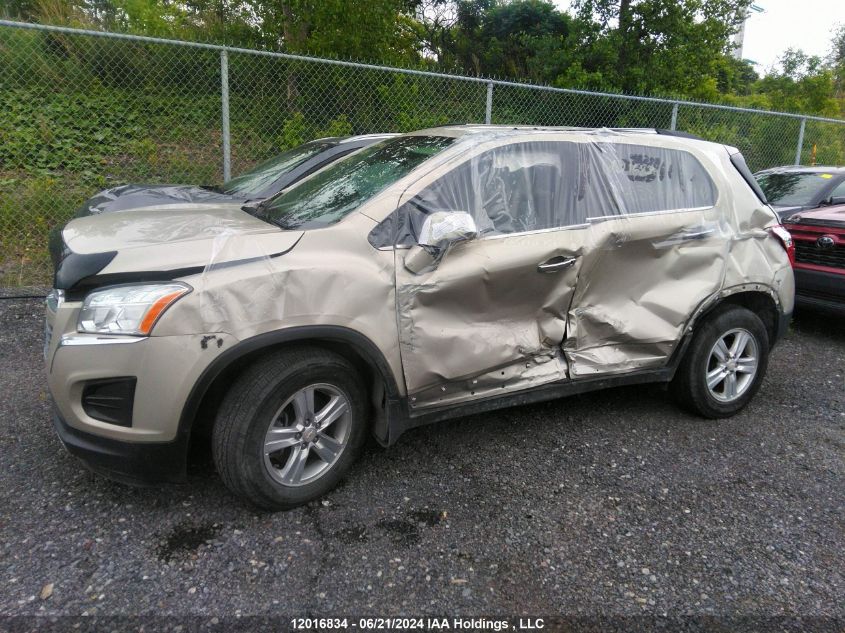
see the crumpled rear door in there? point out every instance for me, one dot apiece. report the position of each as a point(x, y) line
point(641, 281)
point(658, 249)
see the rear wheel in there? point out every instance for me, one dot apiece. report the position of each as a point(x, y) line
point(725, 364)
point(290, 427)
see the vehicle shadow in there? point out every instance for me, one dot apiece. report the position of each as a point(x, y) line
point(819, 323)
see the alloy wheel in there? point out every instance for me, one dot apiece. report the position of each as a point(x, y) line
point(732, 365)
point(307, 435)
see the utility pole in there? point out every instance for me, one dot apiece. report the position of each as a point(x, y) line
point(739, 38)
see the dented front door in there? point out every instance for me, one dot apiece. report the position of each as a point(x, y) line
point(490, 318)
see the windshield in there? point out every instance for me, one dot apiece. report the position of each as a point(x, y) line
point(343, 187)
point(258, 178)
point(794, 189)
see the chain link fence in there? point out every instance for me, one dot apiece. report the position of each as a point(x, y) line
point(83, 111)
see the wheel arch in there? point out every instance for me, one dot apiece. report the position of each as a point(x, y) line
point(211, 386)
point(759, 299)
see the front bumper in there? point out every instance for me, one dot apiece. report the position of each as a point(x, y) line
point(153, 446)
point(822, 290)
point(136, 463)
point(165, 369)
point(146, 443)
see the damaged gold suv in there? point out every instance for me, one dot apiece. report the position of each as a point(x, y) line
point(440, 273)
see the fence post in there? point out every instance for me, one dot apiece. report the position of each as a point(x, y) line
point(674, 124)
point(488, 111)
point(224, 102)
point(800, 142)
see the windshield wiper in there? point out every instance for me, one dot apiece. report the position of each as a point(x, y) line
point(258, 209)
point(214, 188)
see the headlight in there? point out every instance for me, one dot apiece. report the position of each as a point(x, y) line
point(128, 309)
point(54, 299)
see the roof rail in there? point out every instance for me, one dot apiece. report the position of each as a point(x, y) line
point(678, 133)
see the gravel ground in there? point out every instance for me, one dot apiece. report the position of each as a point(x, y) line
point(612, 504)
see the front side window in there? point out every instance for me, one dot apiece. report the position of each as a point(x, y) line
point(509, 189)
point(342, 187)
point(262, 176)
point(794, 188)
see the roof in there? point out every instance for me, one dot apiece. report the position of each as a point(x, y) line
point(803, 169)
point(367, 137)
point(469, 130)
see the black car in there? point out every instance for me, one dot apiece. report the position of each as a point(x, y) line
point(259, 183)
point(796, 188)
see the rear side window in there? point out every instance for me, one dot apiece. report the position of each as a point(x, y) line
point(624, 179)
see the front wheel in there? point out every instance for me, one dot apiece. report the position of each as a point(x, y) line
point(725, 364)
point(290, 427)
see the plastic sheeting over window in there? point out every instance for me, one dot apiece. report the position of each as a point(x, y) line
point(532, 186)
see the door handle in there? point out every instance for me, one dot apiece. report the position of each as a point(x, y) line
point(689, 235)
point(696, 234)
point(556, 263)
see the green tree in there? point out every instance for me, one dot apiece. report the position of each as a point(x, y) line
point(674, 46)
point(503, 39)
point(801, 83)
point(836, 59)
point(18, 9)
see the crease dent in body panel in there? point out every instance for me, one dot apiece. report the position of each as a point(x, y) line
point(592, 249)
point(223, 306)
point(448, 318)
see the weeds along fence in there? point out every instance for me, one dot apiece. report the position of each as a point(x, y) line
point(84, 110)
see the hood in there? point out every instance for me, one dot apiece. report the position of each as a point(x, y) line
point(824, 216)
point(181, 242)
point(784, 212)
point(127, 197)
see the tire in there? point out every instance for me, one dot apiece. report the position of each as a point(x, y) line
point(702, 361)
point(273, 393)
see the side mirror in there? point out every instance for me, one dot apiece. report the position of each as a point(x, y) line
point(836, 200)
point(444, 228)
point(439, 230)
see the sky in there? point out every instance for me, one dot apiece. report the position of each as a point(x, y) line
point(805, 24)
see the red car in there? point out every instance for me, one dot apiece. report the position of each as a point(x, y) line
point(819, 238)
